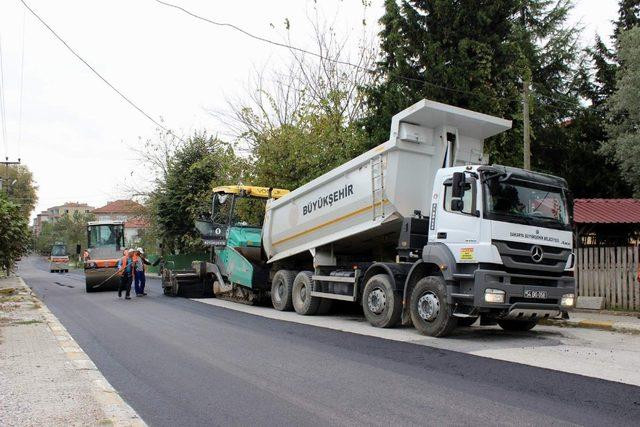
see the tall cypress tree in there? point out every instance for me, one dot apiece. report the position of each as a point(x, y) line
point(458, 52)
point(588, 128)
point(628, 16)
point(476, 54)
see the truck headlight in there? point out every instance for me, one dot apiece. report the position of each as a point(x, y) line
point(567, 300)
point(495, 296)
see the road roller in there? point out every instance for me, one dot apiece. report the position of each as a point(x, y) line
point(105, 243)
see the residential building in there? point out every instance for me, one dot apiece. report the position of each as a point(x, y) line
point(55, 212)
point(128, 211)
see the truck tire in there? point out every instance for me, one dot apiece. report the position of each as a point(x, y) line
point(89, 288)
point(303, 302)
point(175, 287)
point(381, 305)
point(467, 321)
point(281, 287)
point(430, 312)
point(517, 325)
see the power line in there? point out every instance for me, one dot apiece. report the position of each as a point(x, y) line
point(308, 52)
point(3, 114)
point(122, 95)
point(337, 61)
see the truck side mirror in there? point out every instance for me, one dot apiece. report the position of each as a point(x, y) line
point(457, 185)
point(78, 249)
point(457, 205)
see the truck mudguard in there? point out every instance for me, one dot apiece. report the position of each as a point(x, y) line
point(396, 272)
point(434, 255)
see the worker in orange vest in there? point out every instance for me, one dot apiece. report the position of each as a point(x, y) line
point(125, 271)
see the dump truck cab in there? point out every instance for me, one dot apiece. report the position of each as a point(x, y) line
point(501, 238)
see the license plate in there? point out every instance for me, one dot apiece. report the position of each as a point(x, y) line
point(535, 294)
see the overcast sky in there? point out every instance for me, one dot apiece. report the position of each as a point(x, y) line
point(77, 133)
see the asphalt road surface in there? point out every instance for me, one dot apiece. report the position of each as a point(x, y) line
point(182, 362)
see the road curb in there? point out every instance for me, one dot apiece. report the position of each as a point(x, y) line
point(594, 324)
point(117, 411)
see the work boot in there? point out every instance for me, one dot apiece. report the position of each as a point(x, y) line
point(119, 294)
point(144, 294)
point(127, 297)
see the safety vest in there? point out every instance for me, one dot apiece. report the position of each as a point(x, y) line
point(135, 263)
point(123, 265)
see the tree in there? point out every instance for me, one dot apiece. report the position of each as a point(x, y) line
point(185, 193)
point(298, 123)
point(18, 185)
point(476, 55)
point(70, 229)
point(623, 110)
point(14, 234)
point(459, 53)
point(606, 179)
point(628, 16)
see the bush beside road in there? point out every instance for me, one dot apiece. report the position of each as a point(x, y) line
point(47, 379)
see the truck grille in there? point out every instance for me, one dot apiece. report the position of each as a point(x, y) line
point(518, 256)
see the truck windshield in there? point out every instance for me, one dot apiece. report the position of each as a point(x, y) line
point(526, 202)
point(59, 250)
point(107, 235)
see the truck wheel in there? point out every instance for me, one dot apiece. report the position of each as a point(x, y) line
point(381, 306)
point(517, 325)
point(430, 313)
point(466, 321)
point(175, 287)
point(281, 287)
point(89, 288)
point(303, 302)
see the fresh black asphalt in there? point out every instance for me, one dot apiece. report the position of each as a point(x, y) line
point(181, 362)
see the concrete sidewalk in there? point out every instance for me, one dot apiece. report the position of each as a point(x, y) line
point(622, 322)
point(45, 377)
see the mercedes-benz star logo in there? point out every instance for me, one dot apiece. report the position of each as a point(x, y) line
point(537, 253)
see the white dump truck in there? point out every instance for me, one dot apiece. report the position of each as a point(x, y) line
point(419, 229)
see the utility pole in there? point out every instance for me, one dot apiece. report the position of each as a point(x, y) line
point(526, 125)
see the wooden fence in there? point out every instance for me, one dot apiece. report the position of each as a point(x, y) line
point(609, 272)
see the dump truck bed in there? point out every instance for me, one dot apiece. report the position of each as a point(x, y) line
point(366, 198)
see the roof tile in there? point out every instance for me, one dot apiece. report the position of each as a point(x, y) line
point(119, 206)
point(606, 211)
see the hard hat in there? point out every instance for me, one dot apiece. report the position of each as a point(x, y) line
point(140, 250)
